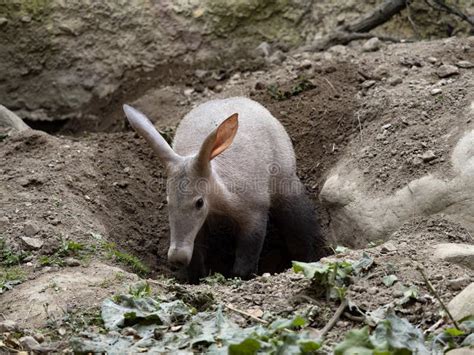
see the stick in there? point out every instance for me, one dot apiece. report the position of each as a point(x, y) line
point(334, 318)
point(358, 29)
point(434, 326)
point(232, 308)
point(442, 6)
point(433, 291)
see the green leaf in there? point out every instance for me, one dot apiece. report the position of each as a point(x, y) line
point(341, 249)
point(298, 321)
point(454, 332)
point(247, 347)
point(308, 346)
point(355, 342)
point(310, 269)
point(389, 280)
point(363, 264)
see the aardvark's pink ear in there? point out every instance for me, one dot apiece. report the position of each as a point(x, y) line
point(218, 140)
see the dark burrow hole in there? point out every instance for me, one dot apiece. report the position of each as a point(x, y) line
point(51, 127)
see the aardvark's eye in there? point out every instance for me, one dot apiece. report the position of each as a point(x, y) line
point(199, 203)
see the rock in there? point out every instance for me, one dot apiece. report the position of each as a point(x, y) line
point(428, 156)
point(371, 45)
point(462, 305)
point(188, 92)
point(30, 229)
point(394, 81)
point(305, 64)
point(436, 91)
point(368, 83)
point(4, 220)
point(277, 58)
point(465, 64)
point(432, 60)
point(129, 331)
point(447, 70)
point(8, 326)
point(72, 262)
point(460, 351)
point(264, 49)
point(25, 19)
point(3, 21)
point(10, 120)
point(33, 243)
point(388, 248)
point(458, 284)
point(259, 85)
point(462, 254)
point(29, 343)
point(200, 74)
point(338, 50)
point(39, 337)
point(218, 88)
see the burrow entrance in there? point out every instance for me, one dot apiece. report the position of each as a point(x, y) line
point(319, 119)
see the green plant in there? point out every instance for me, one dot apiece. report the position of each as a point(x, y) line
point(9, 277)
point(127, 259)
point(302, 84)
point(8, 257)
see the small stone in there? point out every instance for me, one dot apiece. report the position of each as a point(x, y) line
point(8, 326)
point(3, 21)
point(371, 45)
point(436, 91)
point(25, 19)
point(462, 305)
point(29, 343)
point(218, 88)
point(373, 290)
point(462, 254)
point(188, 92)
point(200, 74)
point(305, 64)
point(264, 49)
point(387, 126)
point(465, 64)
point(32, 243)
point(39, 337)
point(368, 83)
point(458, 284)
point(446, 70)
point(460, 351)
point(432, 60)
point(428, 156)
point(61, 331)
point(30, 229)
point(72, 262)
point(388, 248)
point(338, 50)
point(277, 58)
point(394, 81)
point(4, 220)
point(259, 85)
point(122, 183)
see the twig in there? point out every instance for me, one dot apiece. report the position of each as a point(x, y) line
point(433, 291)
point(334, 318)
point(353, 318)
point(442, 6)
point(154, 282)
point(232, 308)
point(360, 126)
point(434, 326)
point(413, 25)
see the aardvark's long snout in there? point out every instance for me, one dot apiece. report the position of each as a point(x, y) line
point(180, 255)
